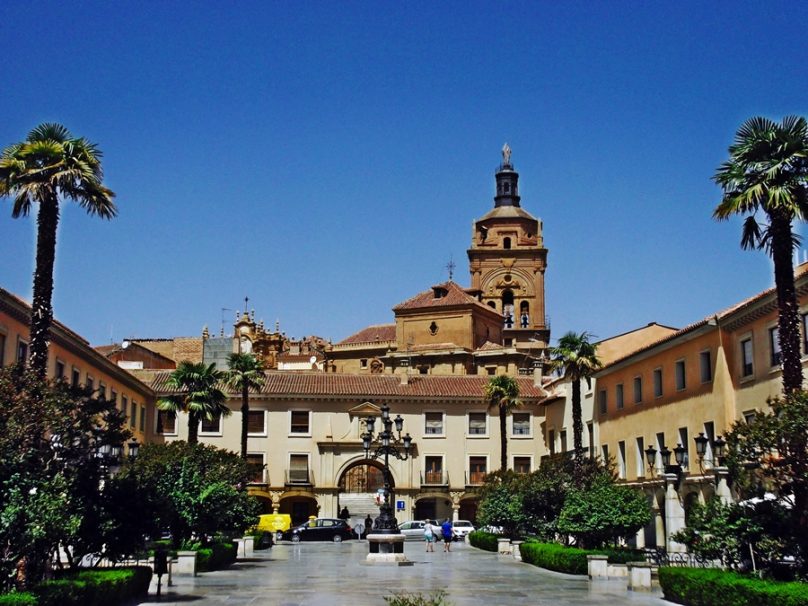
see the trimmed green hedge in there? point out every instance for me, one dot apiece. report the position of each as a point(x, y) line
point(18, 599)
point(483, 540)
point(217, 556)
point(571, 559)
point(711, 587)
point(99, 587)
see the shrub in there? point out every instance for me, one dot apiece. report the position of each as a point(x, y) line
point(711, 587)
point(571, 559)
point(483, 540)
point(95, 587)
point(416, 599)
point(18, 599)
point(216, 556)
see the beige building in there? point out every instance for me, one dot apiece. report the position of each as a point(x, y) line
point(697, 381)
point(71, 359)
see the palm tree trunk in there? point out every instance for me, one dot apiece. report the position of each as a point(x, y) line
point(788, 321)
point(193, 427)
point(503, 437)
point(41, 305)
point(577, 427)
point(245, 413)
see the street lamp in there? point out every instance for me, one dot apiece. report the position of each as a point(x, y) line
point(134, 448)
point(386, 443)
point(650, 456)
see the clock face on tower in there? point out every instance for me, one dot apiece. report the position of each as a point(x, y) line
point(246, 345)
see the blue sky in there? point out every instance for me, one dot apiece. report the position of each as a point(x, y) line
point(328, 159)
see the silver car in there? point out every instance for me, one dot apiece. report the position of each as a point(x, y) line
point(413, 530)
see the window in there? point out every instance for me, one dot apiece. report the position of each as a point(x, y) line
point(521, 423)
point(551, 441)
point(637, 390)
point(433, 423)
point(521, 464)
point(113, 397)
point(563, 439)
point(506, 243)
point(90, 383)
point(22, 351)
point(60, 370)
point(300, 422)
point(125, 407)
point(210, 426)
point(604, 452)
point(76, 378)
point(640, 457)
point(478, 425)
point(657, 382)
point(602, 401)
point(706, 366)
point(478, 467)
point(363, 363)
point(618, 396)
point(433, 473)
point(299, 469)
point(102, 390)
point(660, 442)
point(621, 460)
point(255, 422)
point(749, 416)
point(590, 430)
point(709, 433)
point(684, 442)
point(142, 418)
point(166, 422)
point(747, 367)
point(133, 415)
point(255, 461)
point(774, 346)
point(681, 379)
point(2, 349)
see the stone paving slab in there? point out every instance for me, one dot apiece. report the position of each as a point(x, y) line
point(327, 574)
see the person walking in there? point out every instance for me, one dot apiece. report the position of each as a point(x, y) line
point(446, 530)
point(429, 536)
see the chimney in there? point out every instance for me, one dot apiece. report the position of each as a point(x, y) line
point(538, 374)
point(405, 376)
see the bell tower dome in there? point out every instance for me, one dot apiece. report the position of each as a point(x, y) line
point(507, 261)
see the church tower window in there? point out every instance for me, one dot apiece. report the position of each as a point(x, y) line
point(506, 243)
point(507, 308)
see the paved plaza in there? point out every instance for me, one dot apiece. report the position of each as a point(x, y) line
point(327, 574)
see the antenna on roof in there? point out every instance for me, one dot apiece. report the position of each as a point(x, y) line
point(224, 309)
point(451, 267)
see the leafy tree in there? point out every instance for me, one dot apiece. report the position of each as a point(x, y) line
point(197, 394)
point(53, 491)
point(603, 512)
point(51, 164)
point(502, 393)
point(577, 357)
point(767, 173)
point(501, 504)
point(194, 489)
point(770, 453)
point(245, 372)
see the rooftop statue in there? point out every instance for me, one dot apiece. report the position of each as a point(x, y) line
point(506, 155)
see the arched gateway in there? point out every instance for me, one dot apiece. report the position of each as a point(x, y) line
point(358, 486)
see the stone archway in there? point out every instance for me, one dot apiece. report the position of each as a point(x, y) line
point(359, 482)
point(362, 477)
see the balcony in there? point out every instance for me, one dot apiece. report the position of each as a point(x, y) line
point(299, 477)
point(434, 478)
point(475, 478)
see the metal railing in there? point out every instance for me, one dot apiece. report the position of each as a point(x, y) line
point(475, 478)
point(299, 477)
point(434, 478)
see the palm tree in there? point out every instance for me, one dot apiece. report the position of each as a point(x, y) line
point(767, 173)
point(49, 165)
point(246, 372)
point(577, 357)
point(198, 395)
point(502, 393)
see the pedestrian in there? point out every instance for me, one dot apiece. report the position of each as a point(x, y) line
point(344, 515)
point(429, 536)
point(368, 524)
point(446, 530)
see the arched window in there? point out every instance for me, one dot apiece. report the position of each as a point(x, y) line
point(506, 243)
point(492, 305)
point(507, 308)
point(524, 314)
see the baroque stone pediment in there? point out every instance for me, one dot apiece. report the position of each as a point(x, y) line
point(365, 409)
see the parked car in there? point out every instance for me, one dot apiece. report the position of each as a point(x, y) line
point(460, 528)
point(413, 530)
point(320, 529)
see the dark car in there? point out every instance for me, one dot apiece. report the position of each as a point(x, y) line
point(321, 529)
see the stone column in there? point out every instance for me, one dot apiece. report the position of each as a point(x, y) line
point(276, 501)
point(722, 488)
point(674, 513)
point(455, 497)
point(659, 527)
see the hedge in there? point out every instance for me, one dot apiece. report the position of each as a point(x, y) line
point(98, 587)
point(18, 599)
point(711, 587)
point(217, 556)
point(571, 559)
point(483, 540)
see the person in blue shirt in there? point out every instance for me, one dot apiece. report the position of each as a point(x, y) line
point(446, 530)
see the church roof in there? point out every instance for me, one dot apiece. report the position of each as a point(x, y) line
point(508, 212)
point(452, 295)
point(489, 346)
point(372, 334)
point(289, 385)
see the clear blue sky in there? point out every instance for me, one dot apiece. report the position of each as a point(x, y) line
point(327, 159)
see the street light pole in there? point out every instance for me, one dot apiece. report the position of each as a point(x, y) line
point(386, 443)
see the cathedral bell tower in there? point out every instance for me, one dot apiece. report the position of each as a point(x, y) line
point(507, 260)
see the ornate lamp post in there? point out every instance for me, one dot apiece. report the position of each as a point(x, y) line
point(386, 443)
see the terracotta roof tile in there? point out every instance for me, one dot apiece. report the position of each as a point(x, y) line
point(453, 295)
point(286, 384)
point(489, 346)
point(372, 334)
